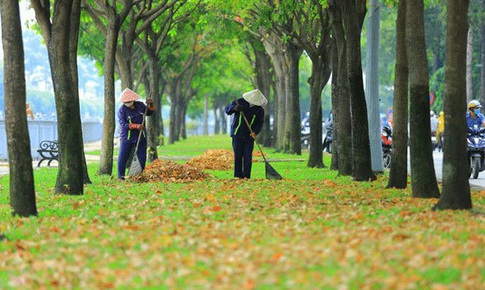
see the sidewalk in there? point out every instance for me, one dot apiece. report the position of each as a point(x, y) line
point(4, 168)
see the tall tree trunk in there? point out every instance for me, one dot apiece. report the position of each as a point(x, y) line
point(206, 114)
point(372, 86)
point(422, 170)
point(456, 189)
point(71, 171)
point(342, 126)
point(353, 15)
point(109, 119)
point(316, 82)
point(469, 66)
point(264, 80)
point(22, 189)
point(482, 71)
point(398, 176)
point(292, 141)
point(423, 177)
point(153, 128)
point(274, 48)
point(73, 44)
point(334, 165)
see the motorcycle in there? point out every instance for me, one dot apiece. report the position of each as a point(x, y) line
point(305, 137)
point(386, 137)
point(476, 150)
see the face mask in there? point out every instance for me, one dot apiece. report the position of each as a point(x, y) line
point(129, 104)
point(477, 111)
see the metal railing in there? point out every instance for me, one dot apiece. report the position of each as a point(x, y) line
point(40, 130)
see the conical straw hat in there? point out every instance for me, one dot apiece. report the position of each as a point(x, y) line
point(255, 97)
point(128, 95)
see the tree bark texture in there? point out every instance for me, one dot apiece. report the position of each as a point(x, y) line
point(335, 61)
point(456, 188)
point(361, 158)
point(372, 85)
point(292, 141)
point(469, 66)
point(57, 35)
point(398, 175)
point(22, 189)
point(109, 118)
point(73, 54)
point(264, 80)
point(321, 53)
point(153, 122)
point(423, 177)
point(342, 125)
point(274, 48)
point(482, 74)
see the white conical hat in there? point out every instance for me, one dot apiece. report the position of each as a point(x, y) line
point(255, 97)
point(128, 95)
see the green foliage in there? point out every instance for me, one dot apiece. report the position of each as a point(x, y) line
point(437, 87)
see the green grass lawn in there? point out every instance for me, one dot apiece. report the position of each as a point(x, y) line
point(311, 230)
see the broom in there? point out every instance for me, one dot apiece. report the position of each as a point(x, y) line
point(271, 173)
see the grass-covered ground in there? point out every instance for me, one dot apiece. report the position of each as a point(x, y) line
point(312, 230)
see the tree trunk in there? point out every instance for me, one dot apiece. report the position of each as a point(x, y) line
point(57, 36)
point(206, 114)
point(469, 66)
point(153, 121)
point(372, 86)
point(398, 175)
point(292, 141)
point(482, 71)
point(109, 118)
point(342, 126)
point(335, 99)
point(274, 48)
point(361, 169)
point(73, 45)
point(316, 82)
point(456, 189)
point(423, 177)
point(264, 80)
point(22, 189)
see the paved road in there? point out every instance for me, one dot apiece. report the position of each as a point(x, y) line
point(438, 162)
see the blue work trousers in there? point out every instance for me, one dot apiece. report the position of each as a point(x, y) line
point(243, 156)
point(125, 150)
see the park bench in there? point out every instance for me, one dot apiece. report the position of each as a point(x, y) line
point(48, 151)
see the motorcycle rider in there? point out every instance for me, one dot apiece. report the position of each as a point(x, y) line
point(473, 116)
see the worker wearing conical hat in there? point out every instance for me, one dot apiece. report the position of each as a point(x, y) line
point(130, 118)
point(242, 139)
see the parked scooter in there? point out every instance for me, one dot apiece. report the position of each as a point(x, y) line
point(305, 137)
point(386, 136)
point(476, 150)
point(327, 140)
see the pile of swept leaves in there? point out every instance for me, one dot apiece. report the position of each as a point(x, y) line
point(161, 170)
point(216, 159)
point(213, 159)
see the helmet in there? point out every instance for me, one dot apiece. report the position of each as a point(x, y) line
point(474, 104)
point(431, 113)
